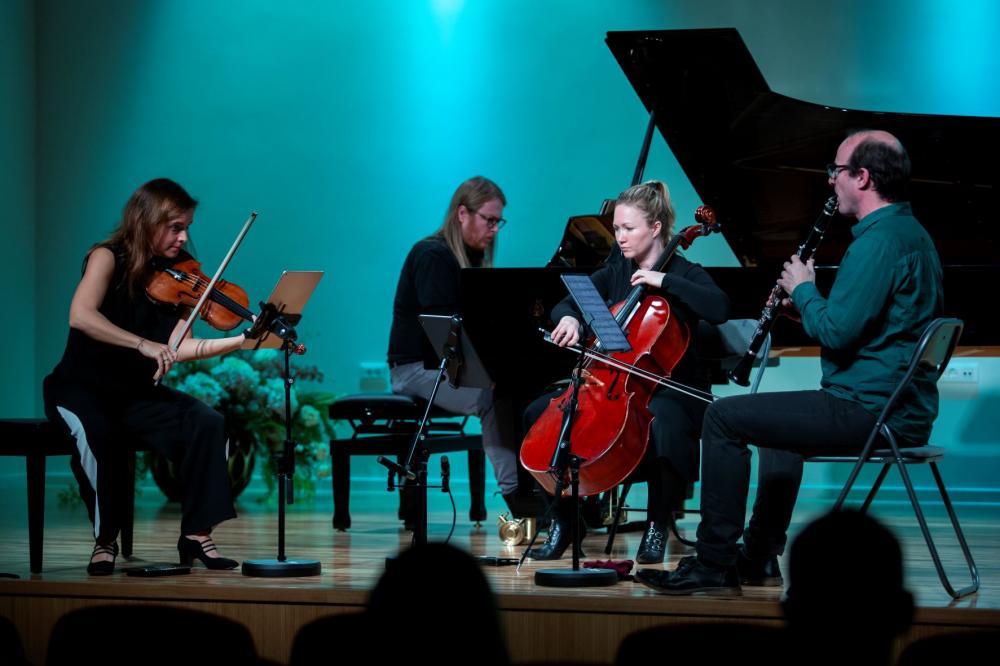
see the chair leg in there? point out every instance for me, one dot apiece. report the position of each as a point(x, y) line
point(927, 533)
point(35, 465)
point(477, 485)
point(613, 529)
point(128, 519)
point(677, 535)
point(340, 477)
point(875, 487)
point(862, 459)
point(970, 563)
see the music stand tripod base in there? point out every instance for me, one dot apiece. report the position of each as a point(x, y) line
point(582, 577)
point(281, 569)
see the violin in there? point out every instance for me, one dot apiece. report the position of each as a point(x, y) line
point(610, 429)
point(182, 283)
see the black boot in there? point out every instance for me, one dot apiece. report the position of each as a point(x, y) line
point(653, 545)
point(558, 540)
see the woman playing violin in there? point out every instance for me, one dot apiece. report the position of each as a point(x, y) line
point(643, 225)
point(102, 391)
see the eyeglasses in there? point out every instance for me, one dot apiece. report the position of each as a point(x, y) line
point(492, 222)
point(832, 170)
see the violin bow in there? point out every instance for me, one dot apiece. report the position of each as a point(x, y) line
point(176, 342)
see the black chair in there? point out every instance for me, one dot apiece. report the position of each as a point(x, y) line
point(351, 633)
point(710, 642)
point(951, 647)
point(384, 424)
point(620, 508)
point(930, 357)
point(720, 347)
point(11, 652)
point(36, 440)
point(149, 634)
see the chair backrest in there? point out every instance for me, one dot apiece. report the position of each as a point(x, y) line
point(930, 356)
point(150, 634)
point(350, 634)
point(716, 642)
point(947, 648)
point(11, 652)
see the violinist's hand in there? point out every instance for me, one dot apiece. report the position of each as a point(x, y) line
point(795, 273)
point(566, 332)
point(164, 356)
point(652, 278)
point(258, 329)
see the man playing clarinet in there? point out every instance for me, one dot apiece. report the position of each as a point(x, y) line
point(887, 290)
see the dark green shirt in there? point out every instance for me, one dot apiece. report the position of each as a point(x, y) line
point(887, 289)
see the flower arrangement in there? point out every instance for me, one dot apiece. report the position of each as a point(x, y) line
point(249, 389)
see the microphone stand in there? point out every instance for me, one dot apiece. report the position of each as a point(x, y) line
point(563, 461)
point(414, 470)
point(283, 567)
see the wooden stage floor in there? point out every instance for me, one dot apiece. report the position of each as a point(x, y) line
point(590, 622)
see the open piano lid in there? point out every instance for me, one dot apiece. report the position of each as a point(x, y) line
point(758, 158)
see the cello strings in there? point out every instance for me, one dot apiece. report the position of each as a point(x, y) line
point(698, 394)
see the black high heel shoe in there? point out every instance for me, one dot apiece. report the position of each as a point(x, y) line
point(189, 549)
point(103, 567)
point(653, 547)
point(558, 540)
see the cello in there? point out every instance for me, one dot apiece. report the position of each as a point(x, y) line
point(610, 425)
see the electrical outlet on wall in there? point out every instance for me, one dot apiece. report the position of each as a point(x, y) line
point(961, 372)
point(374, 377)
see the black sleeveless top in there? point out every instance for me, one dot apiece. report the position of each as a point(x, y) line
point(107, 367)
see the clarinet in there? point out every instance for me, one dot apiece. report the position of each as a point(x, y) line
point(741, 373)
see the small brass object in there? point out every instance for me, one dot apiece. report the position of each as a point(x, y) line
point(516, 531)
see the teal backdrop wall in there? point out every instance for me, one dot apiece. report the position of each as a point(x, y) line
point(18, 333)
point(347, 125)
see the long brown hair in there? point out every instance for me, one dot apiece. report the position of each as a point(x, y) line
point(148, 210)
point(653, 199)
point(473, 194)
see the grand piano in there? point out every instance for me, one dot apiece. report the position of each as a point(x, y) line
point(758, 158)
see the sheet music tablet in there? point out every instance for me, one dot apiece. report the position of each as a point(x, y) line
point(437, 328)
point(290, 296)
point(596, 313)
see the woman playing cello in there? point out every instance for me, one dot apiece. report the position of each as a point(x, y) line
point(102, 391)
point(644, 225)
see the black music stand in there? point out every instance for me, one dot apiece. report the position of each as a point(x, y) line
point(281, 314)
point(610, 337)
point(460, 363)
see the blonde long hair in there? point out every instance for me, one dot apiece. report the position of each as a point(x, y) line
point(653, 199)
point(473, 194)
point(148, 209)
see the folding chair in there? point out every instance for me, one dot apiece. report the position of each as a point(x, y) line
point(930, 358)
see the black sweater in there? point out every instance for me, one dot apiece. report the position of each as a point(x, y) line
point(428, 284)
point(690, 291)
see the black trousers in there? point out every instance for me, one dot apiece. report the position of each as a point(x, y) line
point(185, 430)
point(784, 427)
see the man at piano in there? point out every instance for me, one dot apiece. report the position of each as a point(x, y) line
point(887, 289)
point(428, 284)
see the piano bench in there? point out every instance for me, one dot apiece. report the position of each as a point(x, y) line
point(384, 424)
point(36, 440)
